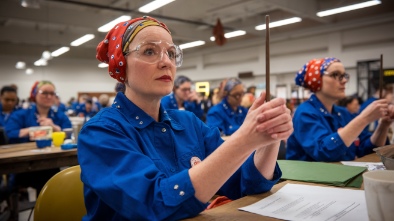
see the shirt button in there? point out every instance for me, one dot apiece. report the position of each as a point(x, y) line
point(137, 117)
point(118, 106)
point(176, 187)
point(181, 193)
point(332, 138)
point(141, 122)
point(163, 130)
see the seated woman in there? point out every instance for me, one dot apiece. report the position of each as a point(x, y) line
point(228, 115)
point(141, 161)
point(40, 114)
point(351, 103)
point(183, 97)
point(326, 132)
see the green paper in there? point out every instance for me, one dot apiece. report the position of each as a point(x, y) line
point(324, 173)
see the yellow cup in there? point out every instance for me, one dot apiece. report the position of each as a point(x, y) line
point(58, 138)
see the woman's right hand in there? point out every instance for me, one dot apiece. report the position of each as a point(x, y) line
point(375, 110)
point(266, 123)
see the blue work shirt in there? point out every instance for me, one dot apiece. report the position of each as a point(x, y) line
point(225, 118)
point(315, 136)
point(134, 168)
point(169, 102)
point(25, 118)
point(4, 116)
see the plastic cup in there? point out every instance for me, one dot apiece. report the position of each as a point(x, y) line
point(379, 194)
point(58, 138)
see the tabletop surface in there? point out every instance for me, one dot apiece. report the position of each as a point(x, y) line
point(230, 210)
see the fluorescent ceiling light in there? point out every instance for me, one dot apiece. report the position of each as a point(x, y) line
point(191, 44)
point(29, 71)
point(82, 40)
point(154, 5)
point(348, 8)
point(102, 65)
point(60, 51)
point(231, 34)
point(279, 23)
point(111, 24)
point(46, 55)
point(41, 62)
point(20, 65)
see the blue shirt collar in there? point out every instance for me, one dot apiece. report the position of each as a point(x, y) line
point(319, 105)
point(138, 118)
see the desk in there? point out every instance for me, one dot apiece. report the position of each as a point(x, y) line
point(25, 157)
point(230, 212)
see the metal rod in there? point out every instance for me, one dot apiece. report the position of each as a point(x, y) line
point(381, 78)
point(267, 58)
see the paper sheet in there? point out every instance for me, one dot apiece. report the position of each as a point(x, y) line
point(369, 165)
point(305, 202)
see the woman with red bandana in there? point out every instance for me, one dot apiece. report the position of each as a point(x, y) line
point(140, 161)
point(326, 132)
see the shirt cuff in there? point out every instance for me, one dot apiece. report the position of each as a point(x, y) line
point(254, 182)
point(178, 189)
point(336, 144)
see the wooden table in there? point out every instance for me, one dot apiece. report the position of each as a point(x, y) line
point(230, 212)
point(25, 157)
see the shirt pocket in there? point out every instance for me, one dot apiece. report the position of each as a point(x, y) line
point(189, 158)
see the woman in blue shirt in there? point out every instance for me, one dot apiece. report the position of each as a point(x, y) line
point(326, 132)
point(228, 115)
point(141, 161)
point(41, 114)
point(183, 97)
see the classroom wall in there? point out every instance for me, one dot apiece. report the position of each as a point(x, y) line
point(288, 54)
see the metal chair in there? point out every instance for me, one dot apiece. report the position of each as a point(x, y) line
point(61, 198)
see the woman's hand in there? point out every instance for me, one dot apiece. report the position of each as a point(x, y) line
point(193, 96)
point(266, 123)
point(375, 110)
point(45, 121)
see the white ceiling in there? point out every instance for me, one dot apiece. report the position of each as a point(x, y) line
point(26, 32)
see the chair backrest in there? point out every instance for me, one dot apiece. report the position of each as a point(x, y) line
point(62, 197)
point(3, 136)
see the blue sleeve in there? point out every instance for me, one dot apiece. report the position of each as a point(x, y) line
point(214, 119)
point(15, 123)
point(248, 180)
point(366, 146)
point(195, 108)
point(140, 191)
point(63, 121)
point(318, 141)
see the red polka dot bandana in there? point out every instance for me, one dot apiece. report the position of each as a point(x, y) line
point(310, 75)
point(112, 49)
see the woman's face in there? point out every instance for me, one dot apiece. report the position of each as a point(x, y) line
point(150, 79)
point(234, 97)
point(45, 96)
point(183, 91)
point(333, 81)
